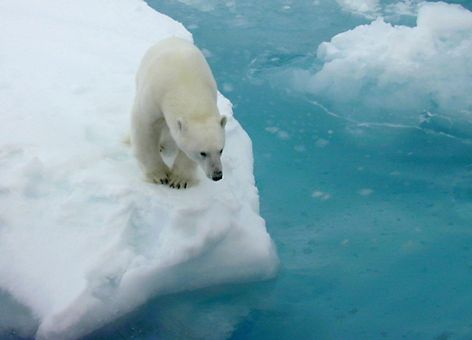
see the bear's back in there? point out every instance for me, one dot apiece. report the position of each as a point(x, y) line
point(175, 75)
point(174, 63)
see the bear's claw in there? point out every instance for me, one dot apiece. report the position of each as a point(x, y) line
point(178, 182)
point(159, 177)
point(178, 185)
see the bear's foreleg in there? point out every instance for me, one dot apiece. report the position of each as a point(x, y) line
point(167, 145)
point(183, 172)
point(145, 139)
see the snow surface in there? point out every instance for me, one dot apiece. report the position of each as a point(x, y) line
point(83, 239)
point(422, 68)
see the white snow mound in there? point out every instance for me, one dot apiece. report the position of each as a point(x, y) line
point(385, 73)
point(83, 239)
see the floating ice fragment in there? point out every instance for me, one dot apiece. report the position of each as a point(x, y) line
point(227, 87)
point(366, 8)
point(323, 196)
point(201, 5)
point(365, 192)
point(403, 8)
point(321, 143)
point(272, 129)
point(299, 148)
point(283, 135)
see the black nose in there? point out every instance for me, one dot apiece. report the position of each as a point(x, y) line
point(217, 175)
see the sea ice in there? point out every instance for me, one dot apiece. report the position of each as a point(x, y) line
point(83, 239)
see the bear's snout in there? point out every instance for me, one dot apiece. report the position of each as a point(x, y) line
point(217, 175)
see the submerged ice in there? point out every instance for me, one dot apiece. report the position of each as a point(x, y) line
point(83, 239)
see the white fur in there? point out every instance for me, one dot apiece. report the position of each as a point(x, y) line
point(176, 97)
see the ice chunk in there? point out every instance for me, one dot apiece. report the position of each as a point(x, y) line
point(365, 8)
point(391, 74)
point(83, 239)
point(402, 8)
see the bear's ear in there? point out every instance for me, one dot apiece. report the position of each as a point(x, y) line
point(181, 124)
point(223, 121)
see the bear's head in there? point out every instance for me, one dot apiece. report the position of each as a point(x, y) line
point(203, 141)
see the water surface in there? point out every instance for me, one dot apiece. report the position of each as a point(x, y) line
point(372, 222)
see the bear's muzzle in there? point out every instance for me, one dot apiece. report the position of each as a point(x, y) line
point(217, 175)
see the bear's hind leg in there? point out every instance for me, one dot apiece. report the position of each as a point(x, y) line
point(183, 172)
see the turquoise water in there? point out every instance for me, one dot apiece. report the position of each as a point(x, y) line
point(372, 222)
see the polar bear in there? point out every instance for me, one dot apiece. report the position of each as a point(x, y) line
point(176, 97)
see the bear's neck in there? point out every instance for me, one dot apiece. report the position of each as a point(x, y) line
point(197, 108)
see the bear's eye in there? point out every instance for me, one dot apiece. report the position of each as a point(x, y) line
point(221, 151)
point(203, 154)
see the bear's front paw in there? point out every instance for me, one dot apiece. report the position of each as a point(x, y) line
point(162, 179)
point(180, 182)
point(159, 177)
